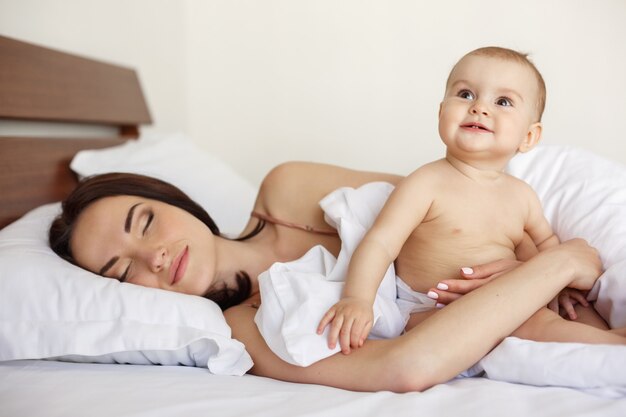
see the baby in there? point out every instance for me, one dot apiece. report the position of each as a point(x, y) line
point(459, 210)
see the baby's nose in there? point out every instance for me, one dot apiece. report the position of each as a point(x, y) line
point(478, 107)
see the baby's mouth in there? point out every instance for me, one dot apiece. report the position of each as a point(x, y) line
point(476, 126)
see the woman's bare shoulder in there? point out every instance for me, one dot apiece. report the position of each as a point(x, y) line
point(292, 190)
point(315, 180)
point(234, 315)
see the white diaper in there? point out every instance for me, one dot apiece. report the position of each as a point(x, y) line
point(410, 301)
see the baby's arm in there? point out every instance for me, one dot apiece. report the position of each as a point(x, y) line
point(537, 225)
point(538, 228)
point(352, 318)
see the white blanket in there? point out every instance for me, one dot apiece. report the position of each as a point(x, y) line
point(296, 295)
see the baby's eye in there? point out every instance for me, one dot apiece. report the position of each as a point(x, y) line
point(466, 94)
point(503, 101)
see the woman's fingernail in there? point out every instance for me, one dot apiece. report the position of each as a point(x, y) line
point(432, 294)
point(442, 286)
point(467, 270)
point(439, 305)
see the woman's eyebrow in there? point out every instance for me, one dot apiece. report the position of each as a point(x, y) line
point(127, 226)
point(129, 218)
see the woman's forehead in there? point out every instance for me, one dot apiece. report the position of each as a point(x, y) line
point(100, 222)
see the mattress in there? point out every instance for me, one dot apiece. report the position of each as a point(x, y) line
point(48, 388)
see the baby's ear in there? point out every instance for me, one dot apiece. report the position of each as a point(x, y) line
point(532, 137)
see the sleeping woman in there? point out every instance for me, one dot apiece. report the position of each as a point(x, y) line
point(143, 231)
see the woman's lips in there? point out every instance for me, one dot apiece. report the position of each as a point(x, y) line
point(179, 266)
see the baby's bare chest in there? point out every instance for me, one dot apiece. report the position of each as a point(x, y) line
point(495, 215)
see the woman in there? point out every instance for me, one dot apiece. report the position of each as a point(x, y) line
point(142, 231)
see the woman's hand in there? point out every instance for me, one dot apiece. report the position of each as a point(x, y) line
point(450, 290)
point(350, 320)
point(584, 261)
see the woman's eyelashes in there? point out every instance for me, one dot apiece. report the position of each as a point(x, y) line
point(150, 217)
point(124, 276)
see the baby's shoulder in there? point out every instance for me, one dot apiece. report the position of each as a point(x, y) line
point(430, 171)
point(520, 187)
point(516, 182)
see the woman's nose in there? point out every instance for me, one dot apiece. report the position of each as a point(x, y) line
point(157, 259)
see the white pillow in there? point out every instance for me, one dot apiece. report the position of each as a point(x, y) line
point(584, 195)
point(222, 192)
point(52, 309)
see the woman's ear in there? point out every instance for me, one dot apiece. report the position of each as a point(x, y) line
point(532, 137)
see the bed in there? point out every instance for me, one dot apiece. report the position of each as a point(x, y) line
point(54, 366)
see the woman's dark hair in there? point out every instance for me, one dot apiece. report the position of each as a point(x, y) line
point(115, 184)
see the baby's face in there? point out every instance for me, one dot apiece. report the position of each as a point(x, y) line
point(489, 109)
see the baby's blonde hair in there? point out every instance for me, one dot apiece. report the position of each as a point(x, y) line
point(511, 55)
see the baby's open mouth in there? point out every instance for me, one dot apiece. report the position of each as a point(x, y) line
point(476, 126)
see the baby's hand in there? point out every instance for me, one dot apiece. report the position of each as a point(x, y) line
point(352, 319)
point(567, 299)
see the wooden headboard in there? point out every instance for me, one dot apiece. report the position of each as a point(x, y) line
point(44, 85)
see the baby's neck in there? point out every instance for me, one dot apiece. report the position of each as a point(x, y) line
point(477, 170)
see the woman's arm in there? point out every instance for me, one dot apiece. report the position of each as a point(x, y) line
point(444, 344)
point(293, 190)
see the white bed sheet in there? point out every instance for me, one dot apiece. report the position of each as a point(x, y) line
point(46, 388)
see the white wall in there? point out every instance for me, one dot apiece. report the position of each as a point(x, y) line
point(359, 82)
point(352, 82)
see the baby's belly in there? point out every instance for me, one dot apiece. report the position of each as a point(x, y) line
point(422, 266)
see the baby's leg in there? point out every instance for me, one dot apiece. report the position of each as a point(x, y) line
point(619, 331)
point(547, 326)
point(589, 315)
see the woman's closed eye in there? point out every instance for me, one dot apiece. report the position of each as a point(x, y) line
point(150, 217)
point(124, 276)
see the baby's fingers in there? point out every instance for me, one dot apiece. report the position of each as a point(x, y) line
point(366, 332)
point(345, 334)
point(567, 304)
point(578, 296)
point(333, 334)
point(359, 333)
point(328, 317)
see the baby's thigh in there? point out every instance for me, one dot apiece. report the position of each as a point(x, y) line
point(589, 315)
point(417, 318)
